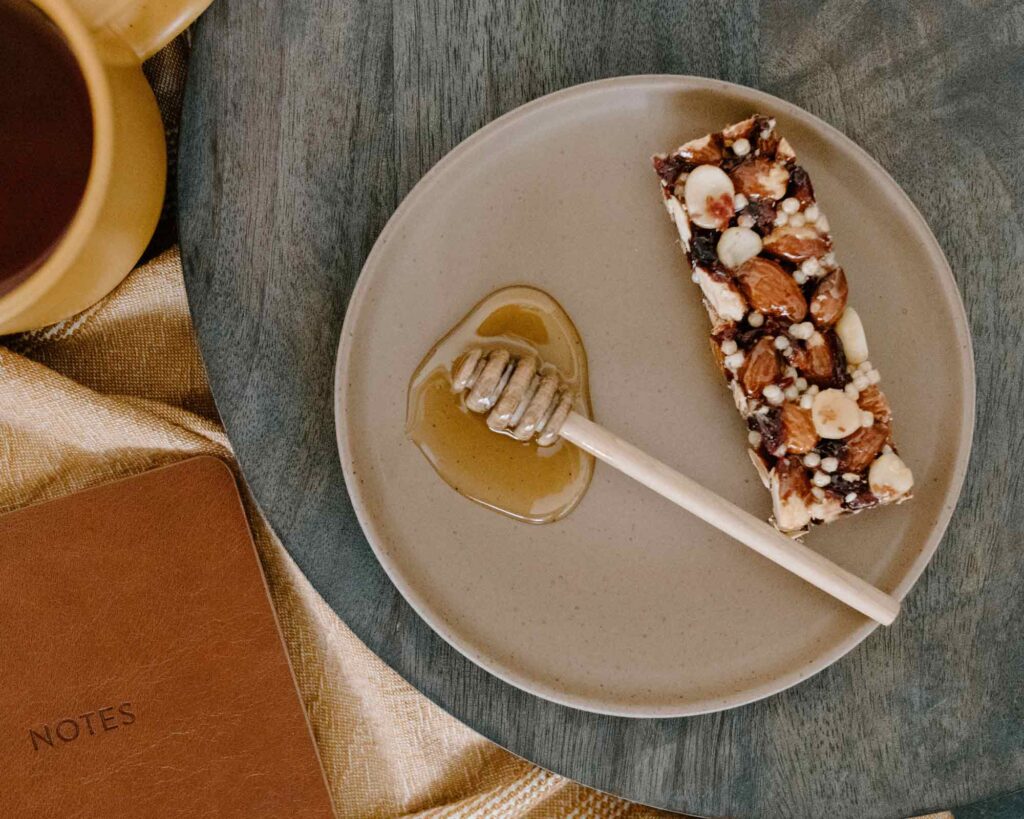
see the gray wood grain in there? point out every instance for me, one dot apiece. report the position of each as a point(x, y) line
point(305, 125)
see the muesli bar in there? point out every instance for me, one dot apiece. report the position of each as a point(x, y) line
point(792, 351)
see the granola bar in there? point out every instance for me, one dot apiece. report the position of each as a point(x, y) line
point(792, 351)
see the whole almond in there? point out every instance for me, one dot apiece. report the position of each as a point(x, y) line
point(760, 177)
point(791, 495)
point(874, 401)
point(793, 480)
point(770, 290)
point(797, 244)
point(761, 367)
point(706, 150)
point(815, 360)
point(784, 151)
point(798, 432)
point(863, 447)
point(743, 129)
point(829, 298)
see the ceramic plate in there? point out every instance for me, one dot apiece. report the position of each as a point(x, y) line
point(629, 605)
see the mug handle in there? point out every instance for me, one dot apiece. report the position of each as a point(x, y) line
point(145, 26)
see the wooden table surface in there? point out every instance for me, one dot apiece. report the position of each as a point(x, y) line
point(305, 125)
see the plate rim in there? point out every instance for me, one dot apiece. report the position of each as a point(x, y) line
point(343, 431)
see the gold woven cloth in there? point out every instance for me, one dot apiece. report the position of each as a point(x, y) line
point(121, 389)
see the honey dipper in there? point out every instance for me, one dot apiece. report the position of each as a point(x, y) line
point(526, 400)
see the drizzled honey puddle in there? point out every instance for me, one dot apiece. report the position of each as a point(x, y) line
point(527, 482)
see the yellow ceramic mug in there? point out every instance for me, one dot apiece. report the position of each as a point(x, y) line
point(124, 193)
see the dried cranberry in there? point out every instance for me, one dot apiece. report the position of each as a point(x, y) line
point(858, 489)
point(800, 185)
point(829, 448)
point(669, 167)
point(703, 248)
point(841, 486)
point(763, 213)
point(729, 159)
point(769, 424)
point(840, 377)
point(776, 325)
point(808, 288)
point(864, 500)
point(747, 336)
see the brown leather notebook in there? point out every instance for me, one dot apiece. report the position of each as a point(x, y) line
point(142, 671)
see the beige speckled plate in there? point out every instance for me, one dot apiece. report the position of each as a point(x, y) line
point(629, 605)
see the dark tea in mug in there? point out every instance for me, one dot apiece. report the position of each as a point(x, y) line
point(46, 136)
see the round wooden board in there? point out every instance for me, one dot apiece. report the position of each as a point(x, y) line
point(304, 127)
